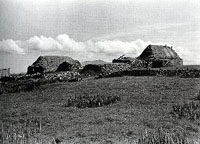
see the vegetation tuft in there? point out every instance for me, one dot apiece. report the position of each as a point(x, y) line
point(91, 101)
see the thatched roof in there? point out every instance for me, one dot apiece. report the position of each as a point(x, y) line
point(159, 52)
point(52, 63)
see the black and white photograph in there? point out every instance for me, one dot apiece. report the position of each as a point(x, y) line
point(99, 72)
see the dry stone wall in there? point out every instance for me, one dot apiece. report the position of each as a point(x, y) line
point(63, 76)
point(104, 70)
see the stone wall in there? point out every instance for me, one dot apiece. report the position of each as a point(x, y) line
point(106, 69)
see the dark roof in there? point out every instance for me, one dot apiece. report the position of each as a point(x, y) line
point(159, 51)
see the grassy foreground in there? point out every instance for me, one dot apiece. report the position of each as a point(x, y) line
point(145, 106)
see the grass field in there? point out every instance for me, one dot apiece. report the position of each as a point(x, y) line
point(145, 105)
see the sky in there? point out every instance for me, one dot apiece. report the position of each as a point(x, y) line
point(95, 29)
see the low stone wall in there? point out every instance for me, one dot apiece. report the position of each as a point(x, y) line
point(32, 82)
point(184, 73)
point(112, 70)
point(104, 70)
point(63, 76)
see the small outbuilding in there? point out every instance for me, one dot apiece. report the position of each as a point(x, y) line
point(134, 62)
point(160, 56)
point(53, 63)
point(123, 59)
point(4, 72)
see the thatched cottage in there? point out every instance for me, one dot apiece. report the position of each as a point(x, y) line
point(53, 63)
point(160, 56)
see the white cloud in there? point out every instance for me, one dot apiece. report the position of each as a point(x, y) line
point(10, 46)
point(190, 56)
point(43, 44)
point(114, 48)
point(69, 44)
point(89, 50)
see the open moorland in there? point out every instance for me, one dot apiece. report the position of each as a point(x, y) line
point(53, 113)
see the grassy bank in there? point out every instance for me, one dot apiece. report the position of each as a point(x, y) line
point(145, 104)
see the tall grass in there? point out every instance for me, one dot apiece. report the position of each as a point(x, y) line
point(161, 137)
point(19, 133)
point(198, 96)
point(190, 110)
point(28, 132)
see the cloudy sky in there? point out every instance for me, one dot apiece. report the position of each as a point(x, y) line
point(95, 29)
